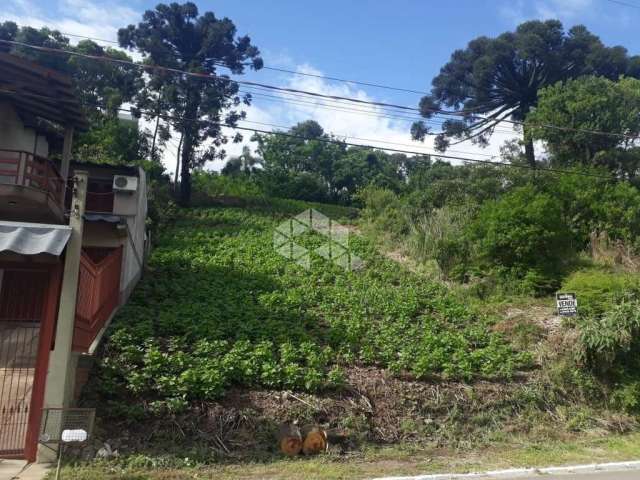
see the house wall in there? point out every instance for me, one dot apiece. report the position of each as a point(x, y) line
point(14, 136)
point(131, 207)
point(136, 223)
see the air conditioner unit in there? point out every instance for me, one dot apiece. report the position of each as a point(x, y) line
point(123, 183)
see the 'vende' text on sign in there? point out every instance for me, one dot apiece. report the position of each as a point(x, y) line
point(567, 304)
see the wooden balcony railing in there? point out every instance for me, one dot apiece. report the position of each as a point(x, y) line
point(28, 170)
point(98, 202)
point(98, 295)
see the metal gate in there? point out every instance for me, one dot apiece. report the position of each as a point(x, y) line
point(23, 301)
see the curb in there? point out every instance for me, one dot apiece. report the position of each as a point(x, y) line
point(522, 472)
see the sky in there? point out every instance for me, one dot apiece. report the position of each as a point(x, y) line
point(401, 44)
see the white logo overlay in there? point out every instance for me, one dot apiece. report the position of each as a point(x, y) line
point(335, 248)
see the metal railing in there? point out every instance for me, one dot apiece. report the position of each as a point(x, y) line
point(25, 169)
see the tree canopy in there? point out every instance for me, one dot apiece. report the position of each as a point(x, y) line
point(596, 119)
point(306, 159)
point(493, 79)
point(177, 36)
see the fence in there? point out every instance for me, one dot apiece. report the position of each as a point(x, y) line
point(98, 295)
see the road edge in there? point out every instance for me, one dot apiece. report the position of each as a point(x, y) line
point(522, 472)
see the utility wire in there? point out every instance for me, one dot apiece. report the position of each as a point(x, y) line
point(626, 4)
point(395, 150)
point(386, 142)
point(214, 77)
point(372, 113)
point(275, 69)
point(338, 142)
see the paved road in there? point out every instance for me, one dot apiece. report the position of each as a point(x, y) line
point(608, 475)
point(633, 475)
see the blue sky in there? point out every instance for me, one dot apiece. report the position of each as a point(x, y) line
point(401, 43)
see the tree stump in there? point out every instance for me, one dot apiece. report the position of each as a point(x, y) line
point(315, 441)
point(290, 439)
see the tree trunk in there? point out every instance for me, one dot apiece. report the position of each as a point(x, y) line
point(190, 133)
point(529, 153)
point(315, 441)
point(185, 172)
point(290, 439)
point(175, 177)
point(155, 135)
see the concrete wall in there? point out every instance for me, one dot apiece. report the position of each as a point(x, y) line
point(134, 249)
point(131, 207)
point(14, 136)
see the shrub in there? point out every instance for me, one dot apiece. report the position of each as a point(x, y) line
point(439, 235)
point(598, 289)
point(525, 231)
point(609, 340)
point(384, 212)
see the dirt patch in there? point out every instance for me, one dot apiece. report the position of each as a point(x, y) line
point(375, 408)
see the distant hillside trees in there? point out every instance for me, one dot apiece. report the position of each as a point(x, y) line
point(309, 164)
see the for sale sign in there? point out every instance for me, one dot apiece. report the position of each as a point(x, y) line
point(567, 304)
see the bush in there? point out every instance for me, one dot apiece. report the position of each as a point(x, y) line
point(211, 184)
point(610, 340)
point(597, 290)
point(523, 235)
point(384, 212)
point(296, 185)
point(439, 235)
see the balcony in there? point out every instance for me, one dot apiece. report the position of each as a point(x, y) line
point(100, 196)
point(31, 188)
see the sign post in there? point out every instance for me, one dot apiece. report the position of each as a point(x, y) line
point(567, 304)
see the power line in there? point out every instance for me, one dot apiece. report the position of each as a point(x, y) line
point(342, 135)
point(214, 77)
point(372, 113)
point(336, 79)
point(395, 150)
point(339, 142)
point(277, 69)
point(626, 4)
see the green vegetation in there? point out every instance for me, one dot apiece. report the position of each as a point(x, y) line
point(376, 462)
point(223, 308)
point(501, 77)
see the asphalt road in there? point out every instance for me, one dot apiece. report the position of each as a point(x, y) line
point(603, 475)
point(628, 475)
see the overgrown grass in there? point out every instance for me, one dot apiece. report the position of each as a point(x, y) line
point(380, 462)
point(220, 307)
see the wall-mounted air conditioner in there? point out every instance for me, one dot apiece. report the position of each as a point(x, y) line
point(123, 183)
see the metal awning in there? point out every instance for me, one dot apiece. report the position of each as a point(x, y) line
point(33, 238)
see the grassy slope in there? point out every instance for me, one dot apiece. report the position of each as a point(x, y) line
point(221, 307)
point(221, 312)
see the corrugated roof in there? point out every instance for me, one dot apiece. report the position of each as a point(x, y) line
point(33, 238)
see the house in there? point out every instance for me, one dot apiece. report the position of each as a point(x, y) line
point(72, 247)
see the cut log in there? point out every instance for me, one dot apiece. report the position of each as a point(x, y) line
point(315, 441)
point(290, 439)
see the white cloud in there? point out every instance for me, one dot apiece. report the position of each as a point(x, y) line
point(370, 125)
point(569, 12)
point(566, 9)
point(80, 17)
